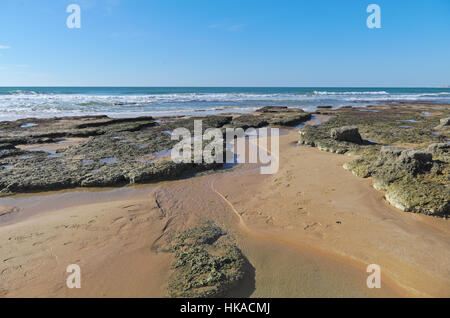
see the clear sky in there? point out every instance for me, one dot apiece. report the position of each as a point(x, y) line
point(224, 43)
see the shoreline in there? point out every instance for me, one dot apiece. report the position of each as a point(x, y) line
point(271, 206)
point(223, 110)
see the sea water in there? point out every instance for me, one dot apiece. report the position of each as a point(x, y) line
point(44, 102)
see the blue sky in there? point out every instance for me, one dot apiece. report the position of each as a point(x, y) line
point(224, 43)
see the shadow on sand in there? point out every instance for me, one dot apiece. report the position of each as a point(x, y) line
point(246, 287)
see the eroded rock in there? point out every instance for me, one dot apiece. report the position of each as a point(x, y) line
point(315, 137)
point(207, 264)
point(114, 152)
point(439, 148)
point(413, 182)
point(271, 116)
point(445, 123)
point(349, 134)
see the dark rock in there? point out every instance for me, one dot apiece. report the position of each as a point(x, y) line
point(290, 119)
point(316, 137)
point(324, 107)
point(10, 152)
point(271, 116)
point(272, 109)
point(4, 146)
point(107, 122)
point(349, 134)
point(250, 121)
point(417, 157)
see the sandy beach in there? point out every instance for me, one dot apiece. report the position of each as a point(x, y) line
point(310, 230)
point(225, 157)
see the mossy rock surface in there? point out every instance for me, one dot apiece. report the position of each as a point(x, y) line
point(115, 152)
point(419, 196)
point(360, 167)
point(207, 264)
point(271, 116)
point(321, 139)
point(415, 179)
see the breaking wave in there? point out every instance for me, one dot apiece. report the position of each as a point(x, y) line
point(125, 102)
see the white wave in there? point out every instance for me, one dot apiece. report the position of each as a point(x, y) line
point(350, 93)
point(20, 104)
point(124, 100)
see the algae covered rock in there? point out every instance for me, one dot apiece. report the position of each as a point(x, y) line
point(412, 180)
point(395, 162)
point(389, 153)
point(359, 167)
point(349, 134)
point(113, 152)
point(315, 137)
point(439, 148)
point(445, 123)
point(418, 157)
point(273, 109)
point(206, 264)
point(271, 115)
point(419, 196)
point(290, 119)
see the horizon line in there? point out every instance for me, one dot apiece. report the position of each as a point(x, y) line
point(176, 86)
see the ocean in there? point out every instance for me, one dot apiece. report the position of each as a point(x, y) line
point(41, 102)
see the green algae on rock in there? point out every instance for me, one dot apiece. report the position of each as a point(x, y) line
point(114, 152)
point(102, 161)
point(445, 123)
point(322, 139)
point(271, 116)
point(414, 180)
point(392, 124)
point(206, 264)
point(347, 133)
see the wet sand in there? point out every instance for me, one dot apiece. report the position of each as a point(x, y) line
point(308, 231)
point(313, 204)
